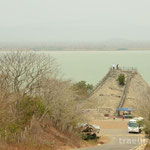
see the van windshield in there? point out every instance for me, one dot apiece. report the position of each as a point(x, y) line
point(131, 124)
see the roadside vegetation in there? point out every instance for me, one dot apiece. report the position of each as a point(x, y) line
point(34, 101)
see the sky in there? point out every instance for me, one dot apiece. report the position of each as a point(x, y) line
point(74, 20)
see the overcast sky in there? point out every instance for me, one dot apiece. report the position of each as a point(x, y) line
point(74, 20)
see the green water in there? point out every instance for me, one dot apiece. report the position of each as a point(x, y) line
point(92, 66)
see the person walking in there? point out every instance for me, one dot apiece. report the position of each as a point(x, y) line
point(117, 67)
point(123, 117)
point(113, 66)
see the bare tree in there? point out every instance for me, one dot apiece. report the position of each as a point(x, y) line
point(28, 76)
point(22, 72)
point(61, 105)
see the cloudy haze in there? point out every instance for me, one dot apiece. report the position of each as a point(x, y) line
point(74, 20)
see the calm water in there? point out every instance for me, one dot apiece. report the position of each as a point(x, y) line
point(92, 66)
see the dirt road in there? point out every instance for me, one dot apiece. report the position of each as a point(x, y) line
point(120, 139)
point(112, 124)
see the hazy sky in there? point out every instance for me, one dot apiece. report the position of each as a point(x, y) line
point(74, 20)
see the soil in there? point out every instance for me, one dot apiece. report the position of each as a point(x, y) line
point(112, 124)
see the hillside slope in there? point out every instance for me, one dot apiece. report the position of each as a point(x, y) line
point(139, 93)
point(110, 95)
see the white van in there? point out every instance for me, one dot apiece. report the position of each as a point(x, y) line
point(134, 126)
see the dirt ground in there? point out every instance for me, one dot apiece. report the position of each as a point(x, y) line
point(112, 124)
point(147, 147)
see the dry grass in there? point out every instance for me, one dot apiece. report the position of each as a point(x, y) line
point(24, 77)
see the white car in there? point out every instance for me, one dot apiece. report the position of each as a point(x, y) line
point(134, 125)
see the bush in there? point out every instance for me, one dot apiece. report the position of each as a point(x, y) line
point(65, 112)
point(25, 109)
point(83, 89)
point(121, 79)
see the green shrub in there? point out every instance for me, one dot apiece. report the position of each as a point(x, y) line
point(10, 131)
point(83, 89)
point(27, 107)
point(121, 79)
point(14, 128)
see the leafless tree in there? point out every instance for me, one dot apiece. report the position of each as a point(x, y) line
point(62, 107)
point(22, 72)
point(34, 75)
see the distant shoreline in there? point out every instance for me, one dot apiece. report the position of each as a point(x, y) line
point(85, 50)
point(76, 50)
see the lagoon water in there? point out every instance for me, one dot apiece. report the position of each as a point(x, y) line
point(92, 66)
